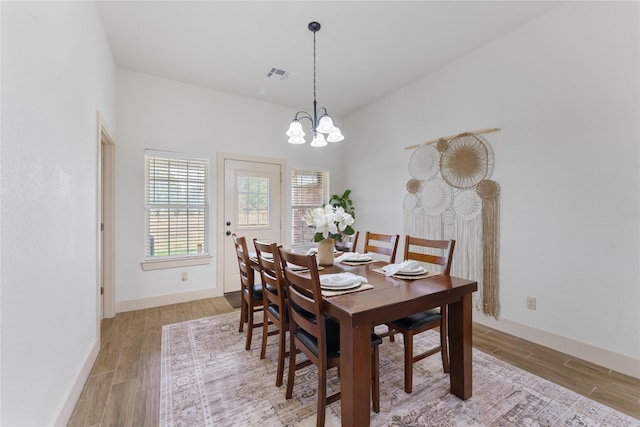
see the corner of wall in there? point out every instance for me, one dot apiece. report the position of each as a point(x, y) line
point(76, 390)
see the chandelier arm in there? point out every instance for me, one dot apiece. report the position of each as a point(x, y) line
point(303, 115)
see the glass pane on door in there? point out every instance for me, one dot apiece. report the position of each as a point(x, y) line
point(253, 201)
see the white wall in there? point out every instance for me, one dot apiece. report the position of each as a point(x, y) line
point(565, 91)
point(167, 115)
point(57, 72)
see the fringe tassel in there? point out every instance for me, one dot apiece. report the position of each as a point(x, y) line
point(490, 193)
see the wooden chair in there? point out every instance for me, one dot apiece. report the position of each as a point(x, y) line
point(423, 321)
point(275, 301)
point(371, 245)
point(349, 245)
point(314, 334)
point(251, 294)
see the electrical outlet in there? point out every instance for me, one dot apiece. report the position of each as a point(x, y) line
point(184, 276)
point(531, 303)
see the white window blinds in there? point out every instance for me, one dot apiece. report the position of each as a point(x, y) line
point(176, 204)
point(309, 189)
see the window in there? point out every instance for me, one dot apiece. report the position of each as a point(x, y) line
point(253, 201)
point(176, 205)
point(309, 189)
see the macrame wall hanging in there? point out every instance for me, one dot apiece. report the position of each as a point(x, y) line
point(450, 196)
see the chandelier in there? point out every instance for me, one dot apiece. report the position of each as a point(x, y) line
point(319, 127)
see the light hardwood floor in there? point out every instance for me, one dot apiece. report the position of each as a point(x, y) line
point(124, 386)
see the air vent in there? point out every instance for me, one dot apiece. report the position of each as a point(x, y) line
point(277, 73)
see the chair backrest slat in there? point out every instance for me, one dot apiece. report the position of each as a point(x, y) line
point(390, 250)
point(445, 247)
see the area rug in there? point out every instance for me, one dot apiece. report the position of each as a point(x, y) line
point(208, 379)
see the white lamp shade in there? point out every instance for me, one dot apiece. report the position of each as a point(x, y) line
point(326, 124)
point(295, 130)
point(296, 140)
point(335, 135)
point(318, 141)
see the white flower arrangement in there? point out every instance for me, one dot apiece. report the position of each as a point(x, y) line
point(329, 222)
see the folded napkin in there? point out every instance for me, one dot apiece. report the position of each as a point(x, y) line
point(353, 256)
point(341, 279)
point(403, 267)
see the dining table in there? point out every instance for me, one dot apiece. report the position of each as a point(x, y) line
point(386, 299)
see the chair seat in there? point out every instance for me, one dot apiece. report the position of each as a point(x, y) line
point(273, 309)
point(257, 291)
point(417, 320)
point(333, 339)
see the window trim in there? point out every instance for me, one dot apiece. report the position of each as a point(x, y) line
point(176, 262)
point(180, 260)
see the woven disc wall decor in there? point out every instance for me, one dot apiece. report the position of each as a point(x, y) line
point(450, 196)
point(435, 196)
point(467, 205)
point(449, 217)
point(466, 162)
point(413, 186)
point(424, 162)
point(488, 189)
point(410, 201)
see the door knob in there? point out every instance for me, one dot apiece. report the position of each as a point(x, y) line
point(228, 233)
point(228, 223)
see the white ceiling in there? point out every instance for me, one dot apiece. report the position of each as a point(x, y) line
point(365, 49)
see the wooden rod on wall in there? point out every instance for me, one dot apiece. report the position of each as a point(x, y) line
point(475, 132)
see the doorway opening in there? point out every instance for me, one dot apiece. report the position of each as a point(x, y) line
point(106, 222)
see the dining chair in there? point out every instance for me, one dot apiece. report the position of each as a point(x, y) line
point(372, 244)
point(251, 300)
point(350, 244)
point(275, 301)
point(429, 319)
point(314, 334)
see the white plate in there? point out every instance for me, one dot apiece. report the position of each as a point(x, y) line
point(341, 287)
point(416, 272)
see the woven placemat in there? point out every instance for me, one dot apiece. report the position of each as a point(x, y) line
point(332, 293)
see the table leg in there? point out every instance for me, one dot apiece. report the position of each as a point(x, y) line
point(355, 373)
point(460, 345)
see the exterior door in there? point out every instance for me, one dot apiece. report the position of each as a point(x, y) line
point(252, 208)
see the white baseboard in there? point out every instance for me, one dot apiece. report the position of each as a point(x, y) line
point(600, 356)
point(76, 390)
point(160, 300)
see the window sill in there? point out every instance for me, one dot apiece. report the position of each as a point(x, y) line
point(175, 262)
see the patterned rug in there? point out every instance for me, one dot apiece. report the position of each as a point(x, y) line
point(208, 379)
